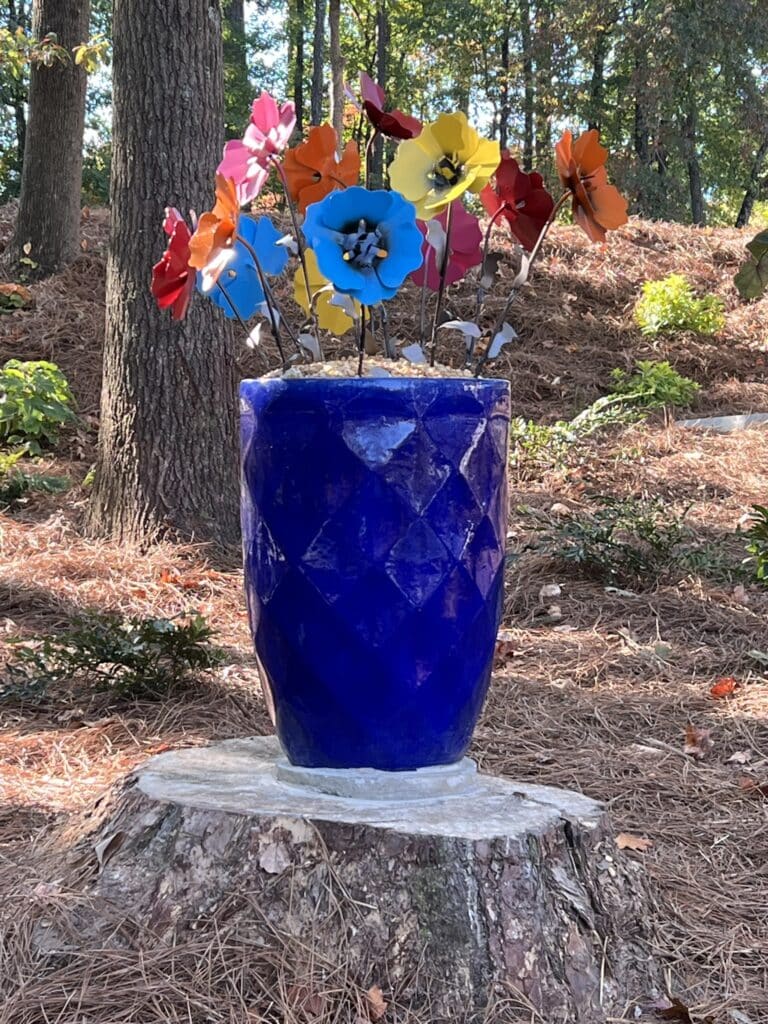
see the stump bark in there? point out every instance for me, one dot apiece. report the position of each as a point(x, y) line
point(453, 891)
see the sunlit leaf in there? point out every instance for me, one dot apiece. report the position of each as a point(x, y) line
point(414, 353)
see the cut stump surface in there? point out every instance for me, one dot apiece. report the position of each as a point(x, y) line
point(454, 892)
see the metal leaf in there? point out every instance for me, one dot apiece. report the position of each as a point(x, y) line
point(505, 335)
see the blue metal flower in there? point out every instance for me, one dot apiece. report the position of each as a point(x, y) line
point(366, 242)
point(239, 279)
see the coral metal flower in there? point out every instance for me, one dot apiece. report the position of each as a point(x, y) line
point(393, 123)
point(313, 169)
point(172, 280)
point(464, 248)
point(366, 243)
point(239, 279)
point(597, 206)
point(520, 199)
point(447, 159)
point(329, 318)
point(211, 244)
point(247, 161)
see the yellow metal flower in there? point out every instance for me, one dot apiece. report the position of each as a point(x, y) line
point(329, 318)
point(447, 159)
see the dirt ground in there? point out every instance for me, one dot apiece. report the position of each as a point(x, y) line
point(595, 695)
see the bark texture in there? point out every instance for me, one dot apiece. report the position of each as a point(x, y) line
point(167, 458)
point(49, 202)
point(550, 918)
point(337, 67)
point(318, 63)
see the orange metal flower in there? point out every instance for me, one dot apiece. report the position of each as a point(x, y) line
point(313, 169)
point(597, 206)
point(216, 230)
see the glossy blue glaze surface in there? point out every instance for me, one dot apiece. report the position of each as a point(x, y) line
point(374, 520)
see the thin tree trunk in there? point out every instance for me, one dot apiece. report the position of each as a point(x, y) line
point(382, 75)
point(49, 203)
point(166, 459)
point(504, 104)
point(528, 84)
point(597, 83)
point(298, 63)
point(236, 85)
point(690, 131)
point(337, 67)
point(318, 63)
point(542, 57)
point(753, 186)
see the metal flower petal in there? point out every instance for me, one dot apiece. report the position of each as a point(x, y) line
point(447, 159)
point(366, 242)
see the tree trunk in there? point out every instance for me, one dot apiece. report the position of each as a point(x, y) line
point(166, 459)
point(597, 84)
point(49, 203)
point(318, 63)
point(504, 102)
point(528, 84)
point(382, 75)
point(297, 36)
point(753, 186)
point(465, 905)
point(690, 139)
point(337, 67)
point(237, 88)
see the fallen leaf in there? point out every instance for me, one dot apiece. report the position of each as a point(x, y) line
point(377, 1004)
point(274, 858)
point(109, 845)
point(675, 1011)
point(506, 646)
point(303, 999)
point(549, 590)
point(139, 592)
point(740, 757)
point(167, 576)
point(752, 788)
point(697, 741)
point(626, 841)
point(740, 594)
point(725, 687)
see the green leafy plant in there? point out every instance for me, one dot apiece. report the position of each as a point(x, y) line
point(654, 385)
point(132, 658)
point(672, 305)
point(35, 401)
point(14, 483)
point(757, 548)
point(631, 540)
point(752, 278)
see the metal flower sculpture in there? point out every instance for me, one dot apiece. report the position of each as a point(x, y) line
point(357, 247)
point(366, 242)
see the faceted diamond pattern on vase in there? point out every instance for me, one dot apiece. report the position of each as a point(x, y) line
point(419, 562)
point(376, 441)
point(373, 519)
point(417, 470)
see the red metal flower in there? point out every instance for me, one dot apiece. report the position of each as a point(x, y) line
point(173, 281)
point(464, 249)
point(393, 123)
point(522, 199)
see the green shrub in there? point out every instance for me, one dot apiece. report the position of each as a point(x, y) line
point(131, 658)
point(14, 483)
point(654, 385)
point(757, 548)
point(35, 401)
point(671, 305)
point(632, 540)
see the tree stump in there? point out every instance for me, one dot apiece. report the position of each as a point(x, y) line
point(451, 889)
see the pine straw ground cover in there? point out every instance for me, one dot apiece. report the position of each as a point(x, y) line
point(595, 695)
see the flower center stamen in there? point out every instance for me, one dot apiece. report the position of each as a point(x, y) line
point(362, 246)
point(447, 173)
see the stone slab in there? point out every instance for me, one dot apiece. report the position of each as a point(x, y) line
point(727, 424)
point(252, 777)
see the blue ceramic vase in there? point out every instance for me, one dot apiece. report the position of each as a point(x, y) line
point(374, 517)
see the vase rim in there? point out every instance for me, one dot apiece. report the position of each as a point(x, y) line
point(387, 381)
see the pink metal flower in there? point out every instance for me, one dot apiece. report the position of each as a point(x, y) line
point(247, 161)
point(464, 249)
